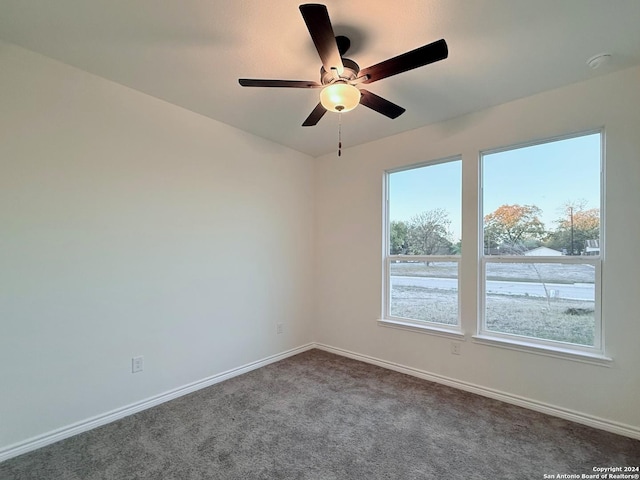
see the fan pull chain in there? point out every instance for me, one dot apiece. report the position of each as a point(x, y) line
point(340, 134)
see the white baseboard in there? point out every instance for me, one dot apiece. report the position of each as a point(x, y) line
point(574, 416)
point(108, 417)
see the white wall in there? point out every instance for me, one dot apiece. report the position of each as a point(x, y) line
point(129, 226)
point(349, 249)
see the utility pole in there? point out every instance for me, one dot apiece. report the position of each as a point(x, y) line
point(571, 213)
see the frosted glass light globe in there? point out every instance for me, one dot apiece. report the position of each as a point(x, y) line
point(340, 97)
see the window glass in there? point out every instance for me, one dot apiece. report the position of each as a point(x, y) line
point(541, 241)
point(423, 244)
point(549, 301)
point(425, 291)
point(545, 195)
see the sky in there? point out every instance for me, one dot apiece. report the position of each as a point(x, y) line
point(546, 175)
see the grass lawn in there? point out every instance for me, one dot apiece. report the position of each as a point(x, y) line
point(560, 320)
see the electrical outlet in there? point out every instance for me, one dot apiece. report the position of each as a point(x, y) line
point(137, 364)
point(279, 328)
point(455, 348)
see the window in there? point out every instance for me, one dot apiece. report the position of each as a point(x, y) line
point(541, 244)
point(422, 245)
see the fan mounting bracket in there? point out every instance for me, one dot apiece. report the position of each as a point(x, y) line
point(350, 73)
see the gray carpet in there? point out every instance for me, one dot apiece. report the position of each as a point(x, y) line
point(322, 416)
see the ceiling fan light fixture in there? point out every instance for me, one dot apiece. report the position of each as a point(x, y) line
point(340, 77)
point(340, 97)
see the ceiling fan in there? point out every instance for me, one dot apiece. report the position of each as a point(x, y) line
point(340, 77)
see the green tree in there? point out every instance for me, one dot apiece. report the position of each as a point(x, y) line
point(429, 233)
point(456, 248)
point(398, 237)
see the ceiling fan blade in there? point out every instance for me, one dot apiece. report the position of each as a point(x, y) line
point(317, 19)
point(250, 82)
point(380, 105)
point(407, 61)
point(315, 116)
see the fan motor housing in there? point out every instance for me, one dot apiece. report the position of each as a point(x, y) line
point(351, 70)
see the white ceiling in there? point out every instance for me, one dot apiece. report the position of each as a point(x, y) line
point(192, 52)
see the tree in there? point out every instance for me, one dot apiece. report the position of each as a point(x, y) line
point(576, 225)
point(398, 237)
point(456, 248)
point(513, 226)
point(429, 233)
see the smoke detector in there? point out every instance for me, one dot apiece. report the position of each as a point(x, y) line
point(600, 60)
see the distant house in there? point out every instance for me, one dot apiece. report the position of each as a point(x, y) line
point(543, 252)
point(592, 247)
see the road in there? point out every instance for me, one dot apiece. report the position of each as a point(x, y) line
point(568, 291)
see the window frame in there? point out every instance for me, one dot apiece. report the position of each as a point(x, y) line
point(595, 353)
point(388, 320)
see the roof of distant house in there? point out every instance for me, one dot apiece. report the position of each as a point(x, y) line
point(543, 252)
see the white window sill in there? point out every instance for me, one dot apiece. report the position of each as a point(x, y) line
point(421, 328)
point(549, 351)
